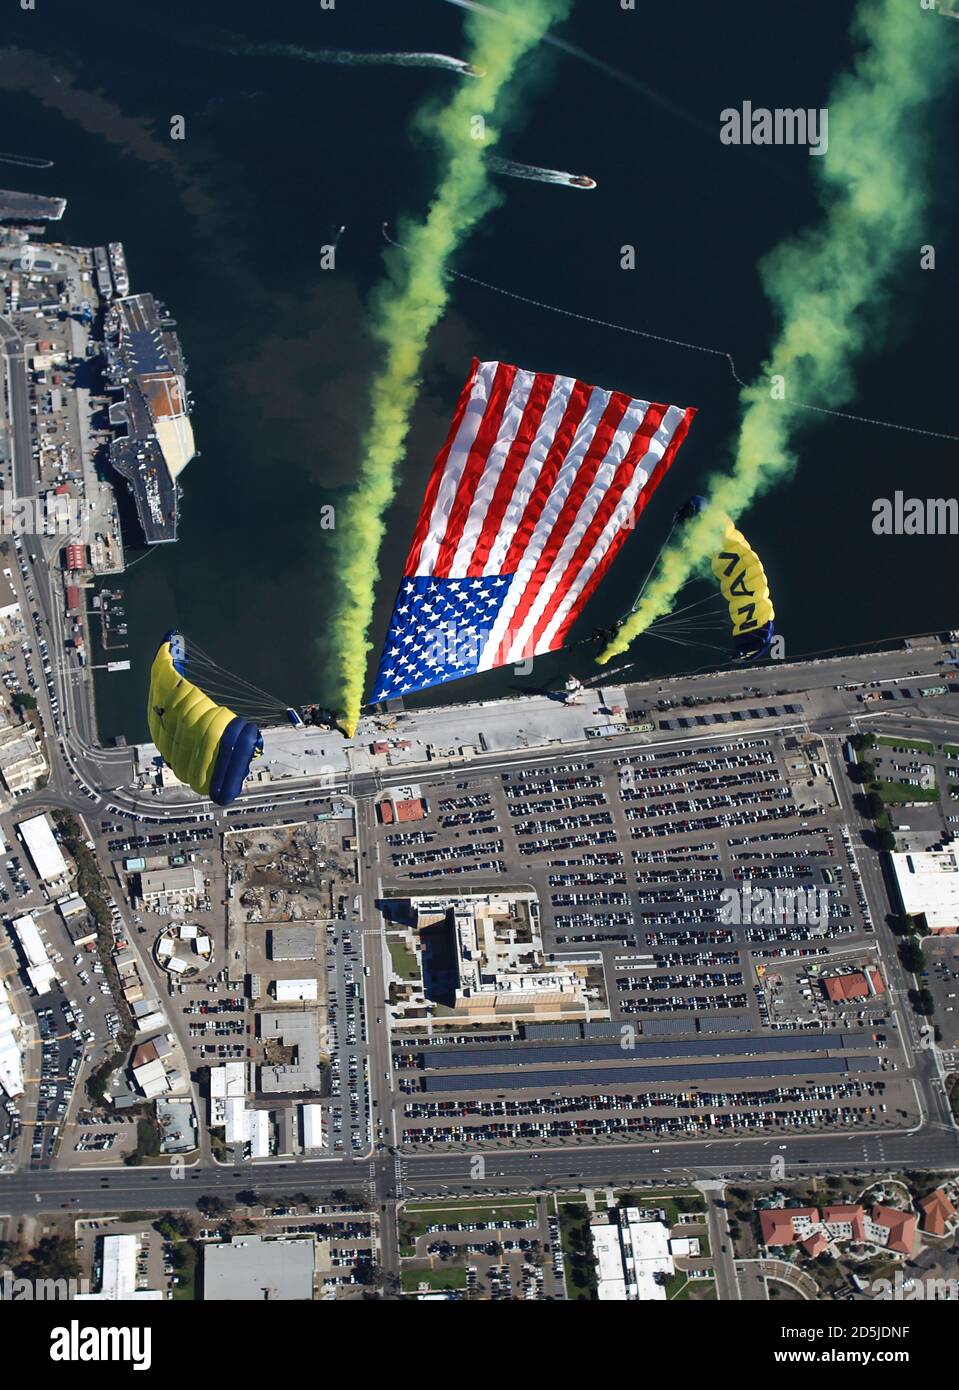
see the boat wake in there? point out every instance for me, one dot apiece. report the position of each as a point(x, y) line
point(26, 161)
point(444, 61)
point(512, 170)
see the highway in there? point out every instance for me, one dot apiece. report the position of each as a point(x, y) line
point(117, 1189)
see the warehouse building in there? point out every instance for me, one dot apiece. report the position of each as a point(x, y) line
point(928, 885)
point(43, 849)
point(40, 971)
point(291, 1052)
point(311, 1128)
point(11, 1061)
point(22, 763)
point(633, 1256)
point(252, 1269)
point(179, 885)
point(118, 1278)
point(293, 943)
point(296, 991)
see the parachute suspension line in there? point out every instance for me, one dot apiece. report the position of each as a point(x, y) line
point(222, 680)
point(681, 343)
point(239, 701)
point(687, 629)
point(682, 642)
point(205, 659)
point(714, 599)
point(652, 567)
point(237, 690)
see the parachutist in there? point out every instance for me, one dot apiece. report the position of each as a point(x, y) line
point(323, 719)
point(743, 584)
point(207, 746)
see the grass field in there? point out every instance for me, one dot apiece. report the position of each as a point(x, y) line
point(449, 1277)
point(404, 962)
point(901, 793)
point(578, 1253)
point(416, 1217)
point(916, 744)
point(674, 1204)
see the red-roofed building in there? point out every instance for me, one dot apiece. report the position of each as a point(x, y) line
point(76, 556)
point(385, 809)
point(73, 598)
point(901, 1226)
point(787, 1225)
point(414, 809)
point(937, 1213)
point(815, 1244)
point(859, 984)
point(845, 1222)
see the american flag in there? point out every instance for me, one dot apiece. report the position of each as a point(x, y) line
point(538, 484)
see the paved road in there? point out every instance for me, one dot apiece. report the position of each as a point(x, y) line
point(932, 1149)
point(720, 1244)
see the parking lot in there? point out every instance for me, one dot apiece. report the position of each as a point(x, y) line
point(708, 873)
point(505, 1250)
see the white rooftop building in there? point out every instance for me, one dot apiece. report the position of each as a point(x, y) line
point(928, 884)
point(229, 1110)
point(228, 1082)
point(608, 1258)
point(119, 1278)
point(42, 848)
point(152, 1079)
point(633, 1257)
point(40, 971)
point(253, 1269)
point(296, 991)
point(501, 964)
point(11, 1060)
point(311, 1121)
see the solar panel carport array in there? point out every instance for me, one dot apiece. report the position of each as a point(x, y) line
point(662, 1075)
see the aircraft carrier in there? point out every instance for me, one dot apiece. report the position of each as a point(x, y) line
point(145, 364)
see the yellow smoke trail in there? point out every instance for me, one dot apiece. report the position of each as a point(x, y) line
point(829, 283)
point(410, 304)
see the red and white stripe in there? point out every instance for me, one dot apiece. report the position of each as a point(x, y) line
point(541, 477)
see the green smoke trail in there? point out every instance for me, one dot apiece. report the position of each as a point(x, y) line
point(829, 284)
point(410, 304)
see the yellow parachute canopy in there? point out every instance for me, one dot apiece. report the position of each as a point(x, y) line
point(743, 583)
point(206, 744)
